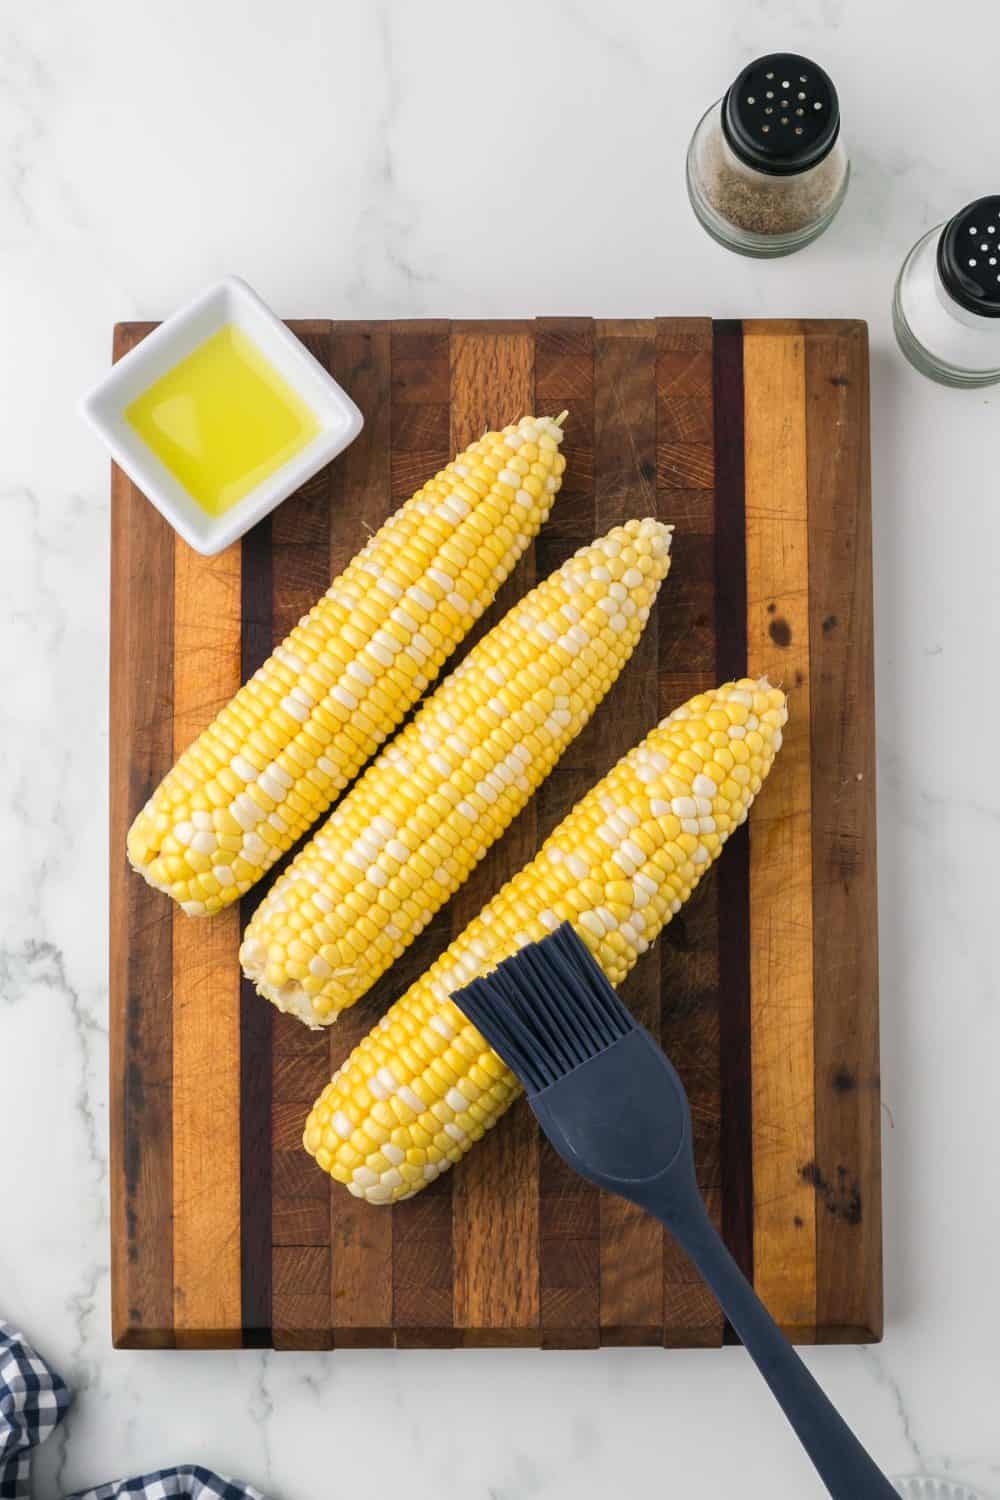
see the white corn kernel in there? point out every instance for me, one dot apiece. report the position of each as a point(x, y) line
point(520, 914)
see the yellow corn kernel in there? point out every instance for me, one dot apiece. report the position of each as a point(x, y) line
point(603, 843)
point(434, 801)
point(302, 727)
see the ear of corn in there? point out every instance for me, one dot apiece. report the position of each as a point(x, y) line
point(293, 737)
point(423, 1085)
point(410, 831)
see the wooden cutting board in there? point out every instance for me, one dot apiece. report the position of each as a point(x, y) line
point(752, 439)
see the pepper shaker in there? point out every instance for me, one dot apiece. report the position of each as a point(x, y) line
point(946, 308)
point(766, 168)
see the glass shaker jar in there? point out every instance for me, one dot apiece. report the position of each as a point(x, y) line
point(766, 168)
point(946, 310)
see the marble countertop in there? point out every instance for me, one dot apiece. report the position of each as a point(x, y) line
point(391, 159)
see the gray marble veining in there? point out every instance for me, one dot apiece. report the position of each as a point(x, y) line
point(355, 159)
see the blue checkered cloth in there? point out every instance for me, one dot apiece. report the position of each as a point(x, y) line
point(186, 1480)
point(34, 1400)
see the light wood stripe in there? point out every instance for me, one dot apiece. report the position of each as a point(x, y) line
point(495, 1190)
point(781, 896)
point(206, 1045)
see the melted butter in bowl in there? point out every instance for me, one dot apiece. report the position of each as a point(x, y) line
point(221, 413)
point(223, 419)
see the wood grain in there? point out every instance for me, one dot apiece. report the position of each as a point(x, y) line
point(495, 1234)
point(689, 956)
point(846, 1172)
point(781, 897)
point(300, 1296)
point(732, 876)
point(256, 1162)
point(422, 1250)
point(569, 1270)
point(625, 409)
point(142, 622)
point(206, 987)
point(753, 440)
point(360, 1243)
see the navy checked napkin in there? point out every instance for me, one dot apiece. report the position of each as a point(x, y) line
point(34, 1400)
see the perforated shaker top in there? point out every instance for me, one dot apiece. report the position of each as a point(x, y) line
point(969, 257)
point(782, 115)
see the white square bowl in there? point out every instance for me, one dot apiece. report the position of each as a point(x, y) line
point(231, 301)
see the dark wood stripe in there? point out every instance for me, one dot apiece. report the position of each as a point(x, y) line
point(123, 1213)
point(733, 873)
point(420, 393)
point(689, 951)
point(569, 1221)
point(300, 1297)
point(255, 1014)
point(301, 1315)
point(847, 1173)
point(625, 487)
point(730, 502)
point(495, 1233)
point(422, 1260)
point(141, 918)
point(361, 1236)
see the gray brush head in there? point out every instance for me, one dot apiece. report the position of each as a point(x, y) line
point(547, 1010)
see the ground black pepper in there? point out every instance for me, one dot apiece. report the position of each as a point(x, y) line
point(767, 205)
point(766, 168)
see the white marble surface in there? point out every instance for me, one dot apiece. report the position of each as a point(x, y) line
point(364, 159)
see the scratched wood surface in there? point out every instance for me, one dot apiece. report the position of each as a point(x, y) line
point(752, 439)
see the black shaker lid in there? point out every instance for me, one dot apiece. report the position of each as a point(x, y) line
point(968, 257)
point(782, 114)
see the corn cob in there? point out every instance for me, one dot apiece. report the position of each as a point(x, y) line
point(295, 734)
point(410, 831)
point(423, 1085)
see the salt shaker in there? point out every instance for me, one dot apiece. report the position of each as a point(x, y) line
point(946, 309)
point(766, 168)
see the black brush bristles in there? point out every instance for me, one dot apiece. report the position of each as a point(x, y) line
point(546, 1009)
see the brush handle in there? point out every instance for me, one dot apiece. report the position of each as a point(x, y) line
point(842, 1463)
